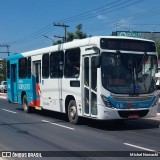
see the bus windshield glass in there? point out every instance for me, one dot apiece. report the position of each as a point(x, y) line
point(124, 73)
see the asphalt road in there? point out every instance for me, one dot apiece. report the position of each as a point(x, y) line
point(50, 131)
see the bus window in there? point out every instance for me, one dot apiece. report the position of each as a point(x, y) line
point(72, 63)
point(29, 67)
point(45, 65)
point(56, 61)
point(23, 68)
point(93, 75)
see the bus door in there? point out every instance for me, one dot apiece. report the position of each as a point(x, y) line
point(36, 82)
point(89, 86)
point(14, 82)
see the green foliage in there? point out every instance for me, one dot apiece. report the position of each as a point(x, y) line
point(58, 42)
point(70, 36)
point(158, 48)
point(78, 34)
point(2, 70)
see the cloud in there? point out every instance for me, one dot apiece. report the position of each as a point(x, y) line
point(101, 17)
point(124, 23)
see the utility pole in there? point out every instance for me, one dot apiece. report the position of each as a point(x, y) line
point(7, 47)
point(65, 30)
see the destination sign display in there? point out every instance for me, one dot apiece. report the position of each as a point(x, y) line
point(127, 45)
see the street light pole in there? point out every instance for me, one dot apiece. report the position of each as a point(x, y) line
point(49, 38)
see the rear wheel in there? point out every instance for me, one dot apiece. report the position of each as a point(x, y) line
point(72, 112)
point(26, 108)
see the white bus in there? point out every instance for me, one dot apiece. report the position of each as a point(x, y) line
point(98, 77)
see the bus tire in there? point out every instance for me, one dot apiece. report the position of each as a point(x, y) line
point(72, 112)
point(26, 108)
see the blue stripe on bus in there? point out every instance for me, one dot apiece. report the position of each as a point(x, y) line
point(132, 104)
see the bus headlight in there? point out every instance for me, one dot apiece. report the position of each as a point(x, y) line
point(107, 102)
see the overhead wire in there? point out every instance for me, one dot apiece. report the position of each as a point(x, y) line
point(35, 34)
point(137, 17)
point(50, 27)
point(107, 10)
point(88, 12)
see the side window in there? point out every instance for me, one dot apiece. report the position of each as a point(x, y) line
point(45, 65)
point(86, 71)
point(22, 67)
point(72, 63)
point(8, 69)
point(56, 64)
point(29, 67)
point(93, 74)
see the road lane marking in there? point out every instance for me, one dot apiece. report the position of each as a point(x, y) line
point(58, 125)
point(135, 146)
point(9, 111)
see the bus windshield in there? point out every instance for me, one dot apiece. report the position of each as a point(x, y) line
point(132, 74)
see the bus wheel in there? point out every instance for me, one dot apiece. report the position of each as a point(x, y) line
point(26, 108)
point(72, 112)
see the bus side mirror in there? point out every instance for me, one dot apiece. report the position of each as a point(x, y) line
point(97, 61)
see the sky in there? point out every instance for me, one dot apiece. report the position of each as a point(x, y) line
point(23, 23)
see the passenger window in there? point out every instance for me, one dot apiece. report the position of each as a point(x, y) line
point(23, 68)
point(72, 63)
point(45, 65)
point(56, 64)
point(29, 67)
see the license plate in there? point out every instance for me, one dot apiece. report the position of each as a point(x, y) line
point(133, 116)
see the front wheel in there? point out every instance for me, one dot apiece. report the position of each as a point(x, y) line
point(26, 108)
point(72, 112)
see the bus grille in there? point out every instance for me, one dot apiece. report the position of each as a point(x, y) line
point(126, 114)
point(132, 99)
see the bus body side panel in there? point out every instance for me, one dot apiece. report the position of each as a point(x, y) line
point(34, 93)
point(17, 87)
point(51, 94)
point(25, 87)
point(70, 91)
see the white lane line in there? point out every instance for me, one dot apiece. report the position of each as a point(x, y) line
point(58, 125)
point(8, 111)
point(146, 149)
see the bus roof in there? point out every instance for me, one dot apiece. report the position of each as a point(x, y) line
point(73, 44)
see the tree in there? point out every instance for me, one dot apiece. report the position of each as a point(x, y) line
point(158, 48)
point(70, 36)
point(2, 70)
point(78, 34)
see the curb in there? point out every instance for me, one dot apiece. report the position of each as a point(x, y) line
point(157, 118)
point(3, 96)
